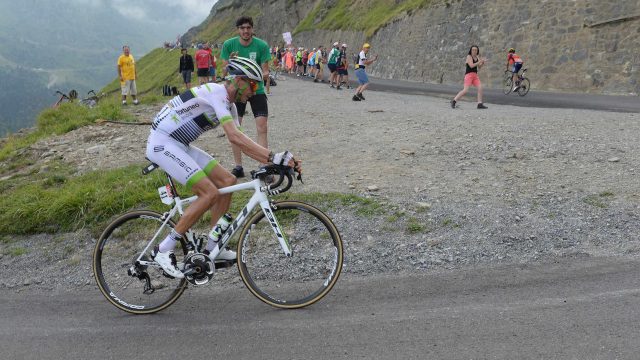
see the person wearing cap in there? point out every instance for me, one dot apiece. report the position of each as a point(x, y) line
point(343, 65)
point(186, 67)
point(363, 61)
point(176, 126)
point(249, 46)
point(332, 64)
point(203, 62)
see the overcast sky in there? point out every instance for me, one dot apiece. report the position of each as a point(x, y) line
point(189, 12)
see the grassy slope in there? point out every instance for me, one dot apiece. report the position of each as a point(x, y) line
point(348, 15)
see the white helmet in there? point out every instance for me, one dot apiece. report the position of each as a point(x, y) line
point(240, 66)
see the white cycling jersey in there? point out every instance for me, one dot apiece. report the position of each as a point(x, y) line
point(188, 115)
point(181, 121)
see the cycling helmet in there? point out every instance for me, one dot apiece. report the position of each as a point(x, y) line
point(512, 50)
point(240, 66)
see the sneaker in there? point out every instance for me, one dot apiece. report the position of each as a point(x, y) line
point(481, 106)
point(238, 172)
point(356, 98)
point(167, 261)
point(315, 80)
point(136, 102)
point(453, 104)
point(331, 85)
point(124, 102)
point(360, 96)
point(338, 88)
point(348, 86)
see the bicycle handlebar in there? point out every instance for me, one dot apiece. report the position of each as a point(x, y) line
point(283, 172)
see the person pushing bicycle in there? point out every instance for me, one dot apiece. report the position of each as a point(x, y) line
point(181, 121)
point(515, 62)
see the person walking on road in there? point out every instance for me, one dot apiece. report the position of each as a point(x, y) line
point(361, 75)
point(472, 63)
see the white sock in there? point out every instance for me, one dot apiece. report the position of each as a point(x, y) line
point(169, 243)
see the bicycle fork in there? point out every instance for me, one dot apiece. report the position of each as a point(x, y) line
point(284, 242)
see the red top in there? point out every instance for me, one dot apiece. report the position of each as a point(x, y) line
point(203, 59)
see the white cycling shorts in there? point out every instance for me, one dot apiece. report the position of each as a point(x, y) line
point(185, 163)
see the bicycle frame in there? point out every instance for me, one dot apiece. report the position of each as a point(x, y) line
point(259, 198)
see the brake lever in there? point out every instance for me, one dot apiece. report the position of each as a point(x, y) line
point(299, 177)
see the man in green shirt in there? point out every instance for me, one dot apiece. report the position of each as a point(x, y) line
point(246, 45)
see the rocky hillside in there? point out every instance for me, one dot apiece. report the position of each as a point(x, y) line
point(576, 46)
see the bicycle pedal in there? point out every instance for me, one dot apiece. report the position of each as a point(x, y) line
point(221, 264)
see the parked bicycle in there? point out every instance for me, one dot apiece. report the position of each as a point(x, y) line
point(523, 84)
point(92, 99)
point(290, 253)
point(65, 97)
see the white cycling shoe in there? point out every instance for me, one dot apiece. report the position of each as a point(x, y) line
point(223, 255)
point(167, 261)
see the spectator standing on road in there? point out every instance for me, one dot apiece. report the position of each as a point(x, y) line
point(321, 59)
point(203, 60)
point(343, 65)
point(128, 75)
point(186, 67)
point(249, 46)
point(361, 74)
point(332, 64)
point(472, 64)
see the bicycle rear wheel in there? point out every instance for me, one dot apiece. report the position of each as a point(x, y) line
point(525, 85)
point(131, 287)
point(507, 85)
point(308, 274)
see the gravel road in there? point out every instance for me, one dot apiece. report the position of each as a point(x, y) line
point(459, 188)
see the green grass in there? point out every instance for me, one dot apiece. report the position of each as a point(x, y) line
point(17, 251)
point(61, 202)
point(598, 200)
point(349, 15)
point(414, 225)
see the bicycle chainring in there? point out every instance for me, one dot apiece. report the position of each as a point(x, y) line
point(198, 268)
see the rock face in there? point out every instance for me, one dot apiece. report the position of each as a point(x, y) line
point(577, 46)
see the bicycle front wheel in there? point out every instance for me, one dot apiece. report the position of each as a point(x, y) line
point(137, 287)
point(507, 85)
point(525, 85)
point(302, 278)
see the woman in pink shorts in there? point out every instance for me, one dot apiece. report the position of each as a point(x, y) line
point(473, 63)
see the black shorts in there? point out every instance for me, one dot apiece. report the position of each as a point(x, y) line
point(332, 67)
point(258, 106)
point(318, 66)
point(343, 72)
point(299, 63)
point(204, 72)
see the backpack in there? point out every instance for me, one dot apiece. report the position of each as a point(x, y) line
point(166, 90)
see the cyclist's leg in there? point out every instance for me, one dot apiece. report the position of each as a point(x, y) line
point(219, 176)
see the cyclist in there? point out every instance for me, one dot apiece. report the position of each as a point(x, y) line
point(515, 62)
point(183, 120)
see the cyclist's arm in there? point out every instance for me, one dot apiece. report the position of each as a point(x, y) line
point(471, 63)
point(248, 146)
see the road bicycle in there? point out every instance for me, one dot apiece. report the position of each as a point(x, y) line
point(64, 97)
point(290, 253)
point(522, 83)
point(92, 99)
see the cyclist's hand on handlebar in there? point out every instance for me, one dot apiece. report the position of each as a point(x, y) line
point(286, 158)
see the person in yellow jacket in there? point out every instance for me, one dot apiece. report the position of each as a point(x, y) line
point(128, 75)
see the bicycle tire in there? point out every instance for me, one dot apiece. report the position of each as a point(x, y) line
point(115, 253)
point(525, 86)
point(308, 274)
point(507, 84)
